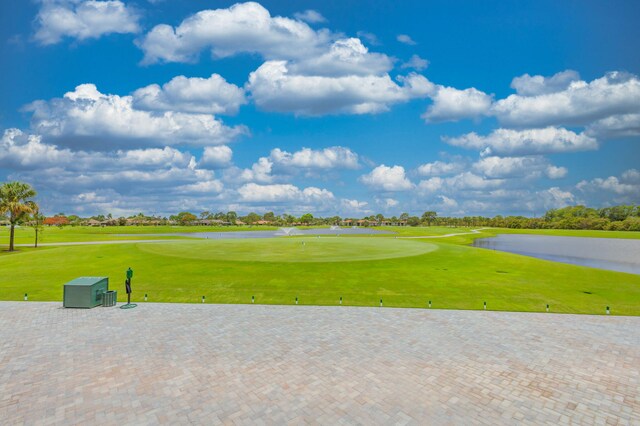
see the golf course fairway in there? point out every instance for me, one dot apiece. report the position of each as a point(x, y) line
point(361, 270)
point(326, 249)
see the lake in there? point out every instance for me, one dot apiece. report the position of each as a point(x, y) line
point(604, 253)
point(282, 232)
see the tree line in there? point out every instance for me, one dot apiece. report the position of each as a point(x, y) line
point(618, 218)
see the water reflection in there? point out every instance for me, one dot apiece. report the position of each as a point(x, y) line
point(604, 253)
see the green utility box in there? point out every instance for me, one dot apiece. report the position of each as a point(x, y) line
point(85, 292)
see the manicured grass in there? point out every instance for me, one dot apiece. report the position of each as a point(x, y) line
point(54, 234)
point(325, 249)
point(453, 276)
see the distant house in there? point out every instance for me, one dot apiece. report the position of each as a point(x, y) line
point(93, 222)
point(263, 222)
point(211, 222)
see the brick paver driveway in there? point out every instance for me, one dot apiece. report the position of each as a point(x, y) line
point(252, 364)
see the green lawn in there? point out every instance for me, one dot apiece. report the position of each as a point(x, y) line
point(54, 234)
point(403, 272)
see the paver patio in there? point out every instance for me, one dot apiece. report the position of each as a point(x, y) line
point(254, 364)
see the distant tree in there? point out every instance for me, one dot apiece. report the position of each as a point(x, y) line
point(186, 218)
point(380, 218)
point(37, 223)
point(252, 218)
point(429, 216)
point(232, 217)
point(205, 215)
point(269, 216)
point(288, 219)
point(413, 221)
point(306, 218)
point(15, 202)
point(74, 219)
point(404, 216)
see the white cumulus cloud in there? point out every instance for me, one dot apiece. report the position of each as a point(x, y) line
point(88, 118)
point(252, 192)
point(273, 88)
point(624, 125)
point(241, 28)
point(552, 198)
point(416, 62)
point(344, 57)
point(311, 16)
point(581, 103)
point(83, 20)
point(529, 167)
point(624, 189)
point(335, 157)
point(23, 151)
point(527, 85)
point(405, 39)
point(211, 95)
point(440, 168)
point(530, 141)
point(451, 104)
point(384, 178)
point(215, 157)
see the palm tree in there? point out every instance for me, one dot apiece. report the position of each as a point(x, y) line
point(14, 200)
point(37, 223)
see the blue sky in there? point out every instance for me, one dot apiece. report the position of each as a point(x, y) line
point(329, 107)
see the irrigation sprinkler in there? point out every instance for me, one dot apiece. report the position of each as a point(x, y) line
point(26, 297)
point(253, 299)
point(202, 299)
point(429, 304)
point(145, 297)
point(608, 311)
point(547, 307)
point(381, 303)
point(485, 306)
point(341, 300)
point(296, 300)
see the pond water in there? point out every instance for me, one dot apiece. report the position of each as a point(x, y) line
point(282, 232)
point(604, 253)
